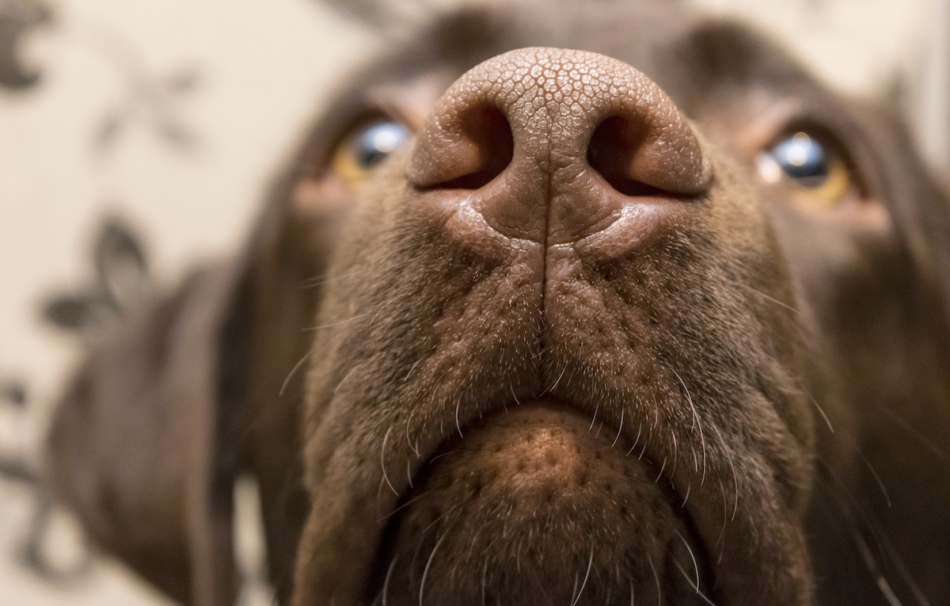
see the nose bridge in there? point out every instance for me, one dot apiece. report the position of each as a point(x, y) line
point(544, 143)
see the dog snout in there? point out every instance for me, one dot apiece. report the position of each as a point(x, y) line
point(553, 146)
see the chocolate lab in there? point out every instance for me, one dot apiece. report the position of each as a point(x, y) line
point(554, 307)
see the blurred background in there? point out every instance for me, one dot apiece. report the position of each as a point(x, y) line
point(137, 137)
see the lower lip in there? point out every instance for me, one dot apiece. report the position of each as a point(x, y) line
point(540, 489)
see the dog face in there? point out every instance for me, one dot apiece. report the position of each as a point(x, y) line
point(594, 333)
point(553, 306)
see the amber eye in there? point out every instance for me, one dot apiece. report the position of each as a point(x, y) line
point(366, 147)
point(811, 167)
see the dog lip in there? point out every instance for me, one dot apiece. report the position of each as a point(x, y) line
point(553, 472)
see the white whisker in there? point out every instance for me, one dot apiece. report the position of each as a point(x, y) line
point(735, 476)
point(697, 422)
point(659, 588)
point(389, 574)
point(382, 461)
point(590, 563)
point(637, 441)
point(817, 406)
point(425, 573)
point(619, 429)
point(292, 372)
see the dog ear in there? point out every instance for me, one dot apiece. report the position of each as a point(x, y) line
point(920, 202)
point(203, 385)
point(135, 446)
point(266, 343)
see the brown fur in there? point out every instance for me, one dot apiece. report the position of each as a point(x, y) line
point(540, 402)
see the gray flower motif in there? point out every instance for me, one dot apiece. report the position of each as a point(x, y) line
point(17, 19)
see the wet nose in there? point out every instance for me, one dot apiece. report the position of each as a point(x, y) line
point(554, 145)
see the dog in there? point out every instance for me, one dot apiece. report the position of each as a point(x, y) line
point(552, 307)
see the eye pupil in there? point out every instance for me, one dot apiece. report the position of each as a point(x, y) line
point(803, 159)
point(376, 141)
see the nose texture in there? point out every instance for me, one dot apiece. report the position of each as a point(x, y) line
point(553, 145)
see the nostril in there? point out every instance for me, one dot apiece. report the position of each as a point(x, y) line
point(611, 153)
point(551, 146)
point(485, 129)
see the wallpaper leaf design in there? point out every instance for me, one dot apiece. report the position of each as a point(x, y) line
point(17, 19)
point(121, 281)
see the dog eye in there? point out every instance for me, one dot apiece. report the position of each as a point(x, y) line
point(809, 166)
point(367, 146)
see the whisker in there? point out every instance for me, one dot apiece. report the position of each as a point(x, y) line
point(725, 519)
point(413, 446)
point(398, 509)
point(697, 422)
point(344, 380)
point(675, 450)
point(877, 478)
point(325, 278)
point(389, 574)
point(837, 494)
point(767, 297)
point(382, 460)
point(692, 556)
point(342, 322)
point(735, 476)
point(935, 450)
point(440, 518)
point(411, 369)
point(590, 563)
point(425, 573)
point(594, 418)
point(882, 583)
point(662, 469)
point(701, 595)
point(293, 371)
point(817, 406)
point(556, 382)
point(619, 429)
point(637, 441)
point(656, 577)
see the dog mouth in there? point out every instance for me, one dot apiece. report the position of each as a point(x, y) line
point(540, 504)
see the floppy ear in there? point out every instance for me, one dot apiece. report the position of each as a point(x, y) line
point(163, 415)
point(933, 216)
point(920, 199)
point(138, 447)
point(267, 344)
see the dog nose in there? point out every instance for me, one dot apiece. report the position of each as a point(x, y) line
point(554, 145)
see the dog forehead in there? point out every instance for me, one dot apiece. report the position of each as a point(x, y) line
point(687, 53)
